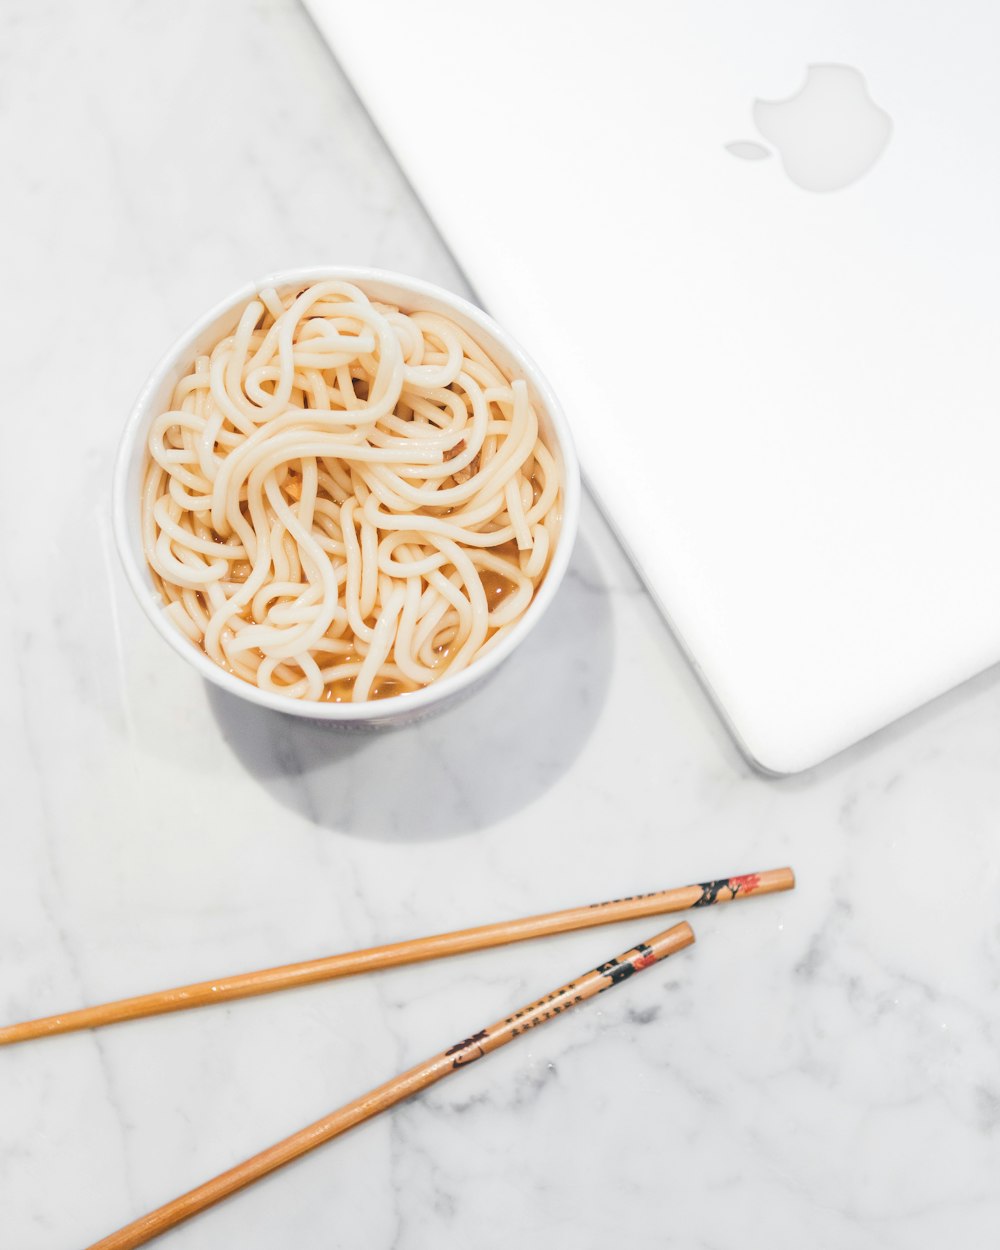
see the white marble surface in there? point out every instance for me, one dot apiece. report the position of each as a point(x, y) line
point(822, 1069)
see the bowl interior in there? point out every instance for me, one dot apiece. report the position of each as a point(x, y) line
point(409, 295)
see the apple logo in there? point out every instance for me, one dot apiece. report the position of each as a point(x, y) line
point(828, 135)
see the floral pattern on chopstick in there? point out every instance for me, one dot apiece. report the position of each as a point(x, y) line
point(620, 970)
point(710, 890)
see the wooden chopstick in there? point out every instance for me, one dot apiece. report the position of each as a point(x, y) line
point(268, 980)
point(384, 1096)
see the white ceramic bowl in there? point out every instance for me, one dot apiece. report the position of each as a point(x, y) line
point(408, 294)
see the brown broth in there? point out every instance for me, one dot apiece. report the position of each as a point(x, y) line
point(497, 587)
point(386, 688)
point(338, 691)
point(239, 571)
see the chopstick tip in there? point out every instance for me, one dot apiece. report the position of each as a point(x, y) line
point(685, 934)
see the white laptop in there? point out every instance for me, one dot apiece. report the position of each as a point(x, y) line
point(756, 249)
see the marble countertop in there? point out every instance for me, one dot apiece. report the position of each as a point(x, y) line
point(821, 1069)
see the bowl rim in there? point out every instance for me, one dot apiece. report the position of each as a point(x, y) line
point(414, 702)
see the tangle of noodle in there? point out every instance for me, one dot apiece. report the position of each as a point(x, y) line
point(346, 501)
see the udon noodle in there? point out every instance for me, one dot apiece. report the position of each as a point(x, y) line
point(345, 500)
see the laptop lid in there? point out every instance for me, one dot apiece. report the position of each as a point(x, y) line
point(754, 249)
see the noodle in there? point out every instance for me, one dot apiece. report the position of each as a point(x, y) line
point(346, 501)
